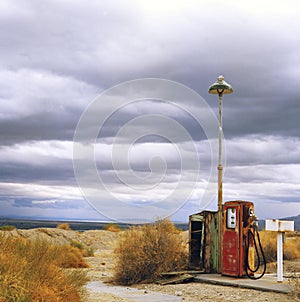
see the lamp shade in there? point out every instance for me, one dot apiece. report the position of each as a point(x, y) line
point(220, 87)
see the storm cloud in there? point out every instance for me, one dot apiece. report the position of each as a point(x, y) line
point(57, 57)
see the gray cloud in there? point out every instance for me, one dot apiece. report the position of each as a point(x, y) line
point(57, 57)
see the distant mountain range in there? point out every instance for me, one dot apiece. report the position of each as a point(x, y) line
point(92, 225)
point(74, 225)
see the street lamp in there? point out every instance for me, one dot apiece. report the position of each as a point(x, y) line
point(220, 88)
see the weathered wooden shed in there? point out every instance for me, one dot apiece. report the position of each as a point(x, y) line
point(203, 241)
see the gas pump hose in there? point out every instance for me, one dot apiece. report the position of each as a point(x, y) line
point(259, 260)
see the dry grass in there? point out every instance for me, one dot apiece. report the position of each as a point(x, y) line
point(291, 248)
point(145, 252)
point(30, 271)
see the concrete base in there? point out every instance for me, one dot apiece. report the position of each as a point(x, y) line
point(266, 283)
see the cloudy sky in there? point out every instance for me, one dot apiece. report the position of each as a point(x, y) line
point(146, 148)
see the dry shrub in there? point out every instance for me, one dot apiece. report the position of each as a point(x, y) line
point(29, 272)
point(71, 257)
point(64, 226)
point(291, 248)
point(145, 252)
point(85, 251)
point(112, 227)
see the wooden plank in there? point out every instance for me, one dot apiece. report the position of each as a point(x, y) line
point(183, 272)
point(197, 217)
point(176, 279)
point(202, 245)
point(211, 242)
point(199, 231)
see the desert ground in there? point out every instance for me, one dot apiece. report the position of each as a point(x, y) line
point(100, 289)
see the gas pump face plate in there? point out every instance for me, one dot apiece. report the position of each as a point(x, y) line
point(231, 218)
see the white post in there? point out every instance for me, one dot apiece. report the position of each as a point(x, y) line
point(279, 226)
point(280, 257)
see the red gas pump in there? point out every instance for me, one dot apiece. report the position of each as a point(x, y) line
point(241, 255)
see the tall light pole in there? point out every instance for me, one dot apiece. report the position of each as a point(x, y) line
point(220, 87)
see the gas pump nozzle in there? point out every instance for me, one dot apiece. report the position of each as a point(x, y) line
point(261, 260)
point(253, 217)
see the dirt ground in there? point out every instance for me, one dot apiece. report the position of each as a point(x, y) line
point(101, 270)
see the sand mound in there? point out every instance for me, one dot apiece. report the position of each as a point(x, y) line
point(96, 239)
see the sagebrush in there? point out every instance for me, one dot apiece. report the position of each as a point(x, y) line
point(31, 271)
point(145, 252)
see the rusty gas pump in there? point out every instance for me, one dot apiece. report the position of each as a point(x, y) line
point(242, 252)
